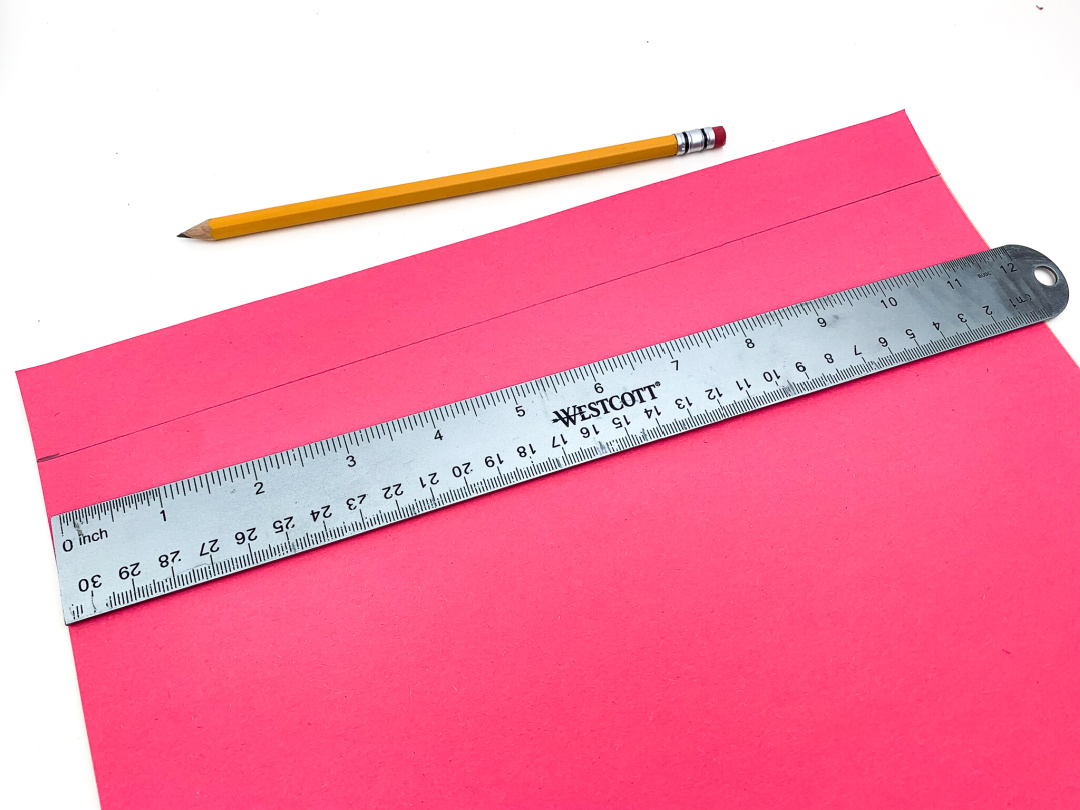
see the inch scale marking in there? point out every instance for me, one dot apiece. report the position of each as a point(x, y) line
point(130, 549)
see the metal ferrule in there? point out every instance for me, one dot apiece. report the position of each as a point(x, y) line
point(695, 140)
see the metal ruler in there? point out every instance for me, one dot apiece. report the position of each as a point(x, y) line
point(123, 551)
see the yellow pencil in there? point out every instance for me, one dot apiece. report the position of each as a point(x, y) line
point(345, 205)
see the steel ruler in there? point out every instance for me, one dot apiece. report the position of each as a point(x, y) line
point(127, 550)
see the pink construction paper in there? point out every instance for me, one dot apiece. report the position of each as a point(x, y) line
point(869, 597)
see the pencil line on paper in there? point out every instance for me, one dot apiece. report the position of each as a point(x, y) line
point(482, 321)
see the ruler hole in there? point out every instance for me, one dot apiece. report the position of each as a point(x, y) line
point(1045, 276)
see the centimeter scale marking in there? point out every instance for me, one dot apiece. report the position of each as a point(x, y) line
point(130, 549)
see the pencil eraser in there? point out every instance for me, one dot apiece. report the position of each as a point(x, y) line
point(721, 136)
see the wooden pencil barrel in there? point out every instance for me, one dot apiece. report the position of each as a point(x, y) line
point(362, 202)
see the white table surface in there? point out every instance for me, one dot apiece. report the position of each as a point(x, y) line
point(123, 123)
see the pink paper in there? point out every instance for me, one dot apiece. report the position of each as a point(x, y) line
point(869, 597)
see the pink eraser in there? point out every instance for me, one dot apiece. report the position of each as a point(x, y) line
point(721, 136)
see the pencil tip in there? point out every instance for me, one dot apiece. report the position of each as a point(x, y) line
point(200, 231)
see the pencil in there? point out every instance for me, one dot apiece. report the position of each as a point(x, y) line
point(361, 202)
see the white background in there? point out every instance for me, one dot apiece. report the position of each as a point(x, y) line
point(123, 123)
